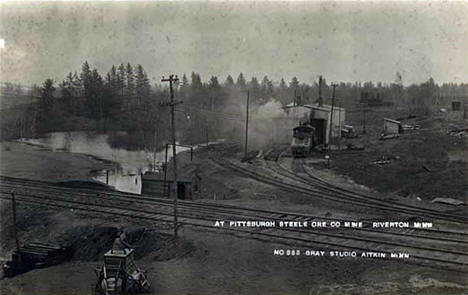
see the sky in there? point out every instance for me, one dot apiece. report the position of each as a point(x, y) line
point(343, 41)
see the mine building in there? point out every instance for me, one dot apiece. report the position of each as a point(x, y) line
point(319, 116)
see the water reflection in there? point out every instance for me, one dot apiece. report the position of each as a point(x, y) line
point(131, 164)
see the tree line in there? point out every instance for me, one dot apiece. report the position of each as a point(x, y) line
point(124, 104)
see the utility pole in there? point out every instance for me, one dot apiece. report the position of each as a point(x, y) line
point(155, 144)
point(331, 116)
point(172, 79)
point(294, 100)
point(165, 172)
point(247, 124)
point(320, 91)
point(339, 123)
point(363, 119)
point(206, 133)
point(13, 207)
point(208, 122)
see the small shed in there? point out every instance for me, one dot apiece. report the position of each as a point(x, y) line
point(154, 184)
point(392, 126)
point(456, 106)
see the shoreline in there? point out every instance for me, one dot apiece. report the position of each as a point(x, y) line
point(35, 161)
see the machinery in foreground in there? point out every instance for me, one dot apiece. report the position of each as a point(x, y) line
point(35, 255)
point(120, 274)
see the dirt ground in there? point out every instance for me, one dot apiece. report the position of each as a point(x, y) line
point(206, 262)
point(425, 163)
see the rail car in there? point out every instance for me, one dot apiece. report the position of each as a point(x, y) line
point(303, 140)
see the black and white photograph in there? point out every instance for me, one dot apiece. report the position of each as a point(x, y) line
point(233, 147)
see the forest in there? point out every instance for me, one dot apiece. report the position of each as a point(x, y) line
point(126, 105)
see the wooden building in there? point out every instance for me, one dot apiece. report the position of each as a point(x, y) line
point(392, 126)
point(319, 116)
point(154, 185)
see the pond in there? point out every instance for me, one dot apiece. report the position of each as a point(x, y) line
point(126, 176)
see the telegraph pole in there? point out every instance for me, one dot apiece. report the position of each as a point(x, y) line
point(339, 123)
point(165, 172)
point(172, 79)
point(331, 116)
point(155, 143)
point(363, 119)
point(320, 91)
point(246, 125)
point(206, 133)
point(208, 122)
point(13, 207)
point(295, 97)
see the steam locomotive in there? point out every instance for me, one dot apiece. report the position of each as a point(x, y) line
point(303, 140)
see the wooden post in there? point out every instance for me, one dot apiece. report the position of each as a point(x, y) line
point(165, 171)
point(363, 119)
point(246, 125)
point(172, 104)
point(13, 207)
point(331, 117)
point(320, 92)
point(339, 123)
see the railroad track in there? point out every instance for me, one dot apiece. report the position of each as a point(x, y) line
point(10, 184)
point(312, 179)
point(324, 191)
point(203, 215)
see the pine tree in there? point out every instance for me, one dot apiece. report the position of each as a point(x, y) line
point(214, 82)
point(240, 81)
point(130, 80)
point(95, 97)
point(46, 105)
point(184, 87)
point(254, 88)
point(282, 85)
point(229, 81)
point(47, 94)
point(77, 85)
point(142, 83)
point(294, 84)
point(196, 82)
point(185, 82)
point(283, 92)
point(113, 80)
point(121, 80)
point(267, 88)
point(68, 92)
point(85, 78)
